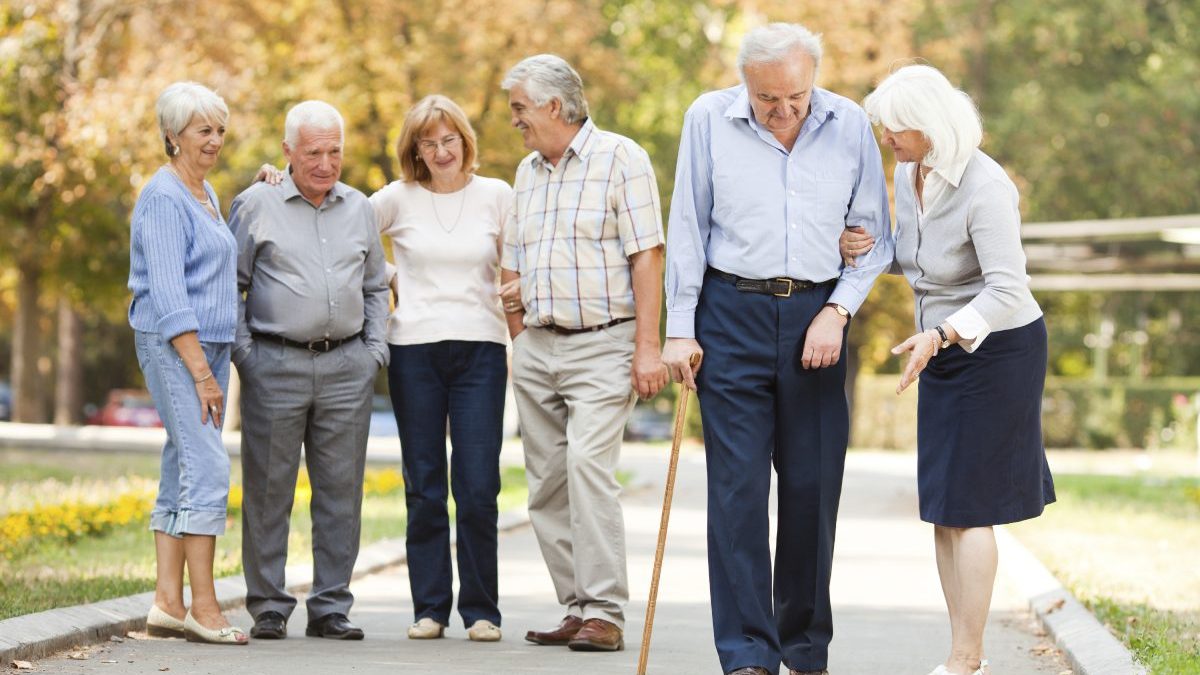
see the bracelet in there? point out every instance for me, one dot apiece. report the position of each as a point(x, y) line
point(205, 378)
point(942, 333)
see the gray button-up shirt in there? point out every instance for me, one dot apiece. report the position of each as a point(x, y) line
point(309, 272)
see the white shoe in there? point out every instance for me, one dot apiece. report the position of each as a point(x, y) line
point(426, 629)
point(194, 631)
point(942, 670)
point(484, 631)
point(163, 625)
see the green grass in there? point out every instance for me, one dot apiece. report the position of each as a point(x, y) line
point(1127, 547)
point(122, 562)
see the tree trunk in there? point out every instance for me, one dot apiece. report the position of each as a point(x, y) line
point(28, 405)
point(68, 385)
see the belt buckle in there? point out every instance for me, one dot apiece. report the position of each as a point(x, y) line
point(314, 350)
point(789, 283)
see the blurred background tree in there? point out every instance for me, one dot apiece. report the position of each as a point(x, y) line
point(1090, 105)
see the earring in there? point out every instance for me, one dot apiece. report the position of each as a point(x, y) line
point(175, 151)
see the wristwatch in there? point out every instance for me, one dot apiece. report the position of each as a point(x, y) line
point(842, 311)
point(945, 340)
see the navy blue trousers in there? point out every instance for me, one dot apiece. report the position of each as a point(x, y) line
point(462, 381)
point(760, 407)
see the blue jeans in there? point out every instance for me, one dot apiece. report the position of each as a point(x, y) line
point(193, 485)
point(463, 381)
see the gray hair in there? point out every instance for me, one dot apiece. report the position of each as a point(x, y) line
point(316, 115)
point(546, 77)
point(775, 42)
point(180, 102)
point(920, 98)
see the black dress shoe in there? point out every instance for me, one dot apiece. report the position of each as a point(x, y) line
point(335, 627)
point(269, 626)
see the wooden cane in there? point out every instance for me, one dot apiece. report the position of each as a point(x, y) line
point(680, 413)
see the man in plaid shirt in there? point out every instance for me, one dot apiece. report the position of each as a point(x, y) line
point(585, 241)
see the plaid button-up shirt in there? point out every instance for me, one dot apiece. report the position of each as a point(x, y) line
point(575, 225)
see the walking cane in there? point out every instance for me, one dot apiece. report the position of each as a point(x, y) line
point(680, 413)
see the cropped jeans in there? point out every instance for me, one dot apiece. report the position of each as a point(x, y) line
point(193, 486)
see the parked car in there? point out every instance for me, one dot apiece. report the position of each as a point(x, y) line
point(127, 408)
point(649, 424)
point(5, 402)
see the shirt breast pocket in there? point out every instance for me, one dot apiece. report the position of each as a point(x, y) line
point(833, 203)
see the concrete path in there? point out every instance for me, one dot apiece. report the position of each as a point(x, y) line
point(888, 610)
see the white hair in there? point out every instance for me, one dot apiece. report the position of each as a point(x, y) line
point(776, 42)
point(180, 102)
point(315, 115)
point(546, 77)
point(920, 98)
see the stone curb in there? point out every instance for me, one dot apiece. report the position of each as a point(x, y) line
point(35, 636)
point(1088, 646)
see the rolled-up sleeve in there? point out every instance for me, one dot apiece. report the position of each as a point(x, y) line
point(869, 210)
point(162, 230)
point(688, 226)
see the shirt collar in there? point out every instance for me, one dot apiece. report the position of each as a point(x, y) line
point(953, 173)
point(818, 106)
point(290, 191)
point(581, 145)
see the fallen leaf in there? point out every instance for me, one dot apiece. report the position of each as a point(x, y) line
point(22, 665)
point(116, 638)
point(163, 669)
point(1055, 606)
point(1038, 631)
point(1042, 649)
point(77, 656)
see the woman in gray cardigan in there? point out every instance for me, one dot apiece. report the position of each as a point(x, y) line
point(981, 349)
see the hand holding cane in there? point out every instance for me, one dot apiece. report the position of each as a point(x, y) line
point(680, 414)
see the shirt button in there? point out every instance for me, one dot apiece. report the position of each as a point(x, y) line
point(791, 192)
point(793, 258)
point(328, 270)
point(793, 226)
point(323, 240)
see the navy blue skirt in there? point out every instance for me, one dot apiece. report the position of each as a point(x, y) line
point(980, 457)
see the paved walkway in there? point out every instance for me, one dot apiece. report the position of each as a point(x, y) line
point(888, 610)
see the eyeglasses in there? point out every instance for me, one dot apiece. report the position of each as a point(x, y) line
point(449, 142)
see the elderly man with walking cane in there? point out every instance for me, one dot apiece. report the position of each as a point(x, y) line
point(585, 243)
point(770, 173)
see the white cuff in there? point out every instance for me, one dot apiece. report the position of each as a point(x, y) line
point(971, 327)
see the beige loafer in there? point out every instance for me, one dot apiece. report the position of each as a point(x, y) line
point(426, 629)
point(162, 625)
point(484, 631)
point(229, 635)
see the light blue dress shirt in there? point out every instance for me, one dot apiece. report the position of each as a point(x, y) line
point(745, 205)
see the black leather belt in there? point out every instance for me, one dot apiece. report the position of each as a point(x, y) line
point(315, 346)
point(561, 330)
point(780, 287)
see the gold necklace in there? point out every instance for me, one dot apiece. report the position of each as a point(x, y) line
point(206, 202)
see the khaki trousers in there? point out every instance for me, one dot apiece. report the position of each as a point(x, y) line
point(574, 396)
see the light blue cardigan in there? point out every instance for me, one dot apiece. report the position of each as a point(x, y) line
point(182, 264)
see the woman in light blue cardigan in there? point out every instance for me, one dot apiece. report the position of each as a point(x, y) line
point(182, 273)
point(981, 349)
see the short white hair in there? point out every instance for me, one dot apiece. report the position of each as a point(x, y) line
point(775, 42)
point(315, 115)
point(545, 77)
point(181, 102)
point(920, 98)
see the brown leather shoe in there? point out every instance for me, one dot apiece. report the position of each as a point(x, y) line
point(793, 671)
point(597, 635)
point(559, 636)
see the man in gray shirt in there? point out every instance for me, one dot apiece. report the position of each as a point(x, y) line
point(311, 338)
